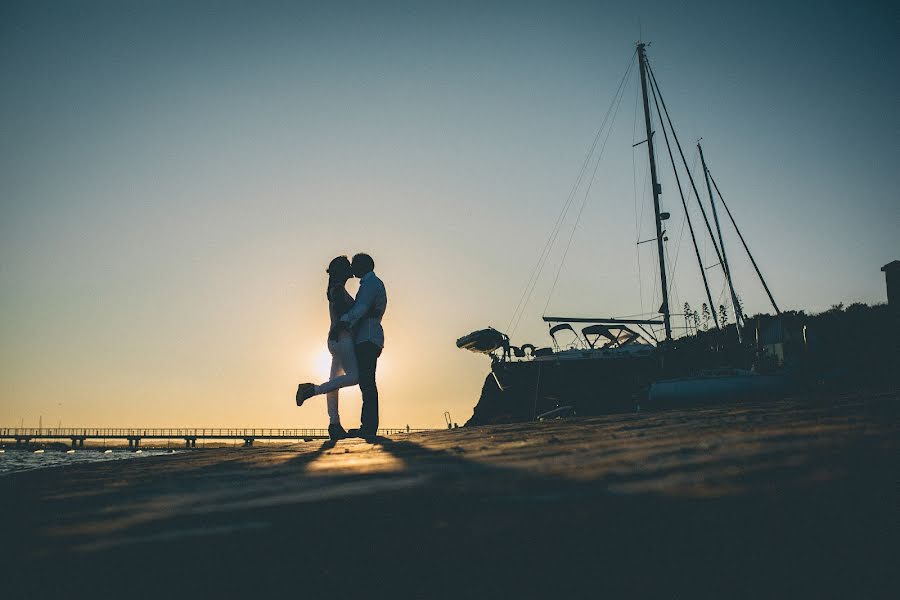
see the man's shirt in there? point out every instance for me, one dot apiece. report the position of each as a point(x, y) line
point(365, 316)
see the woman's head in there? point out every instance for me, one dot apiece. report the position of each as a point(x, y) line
point(339, 268)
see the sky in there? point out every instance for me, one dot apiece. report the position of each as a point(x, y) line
point(175, 177)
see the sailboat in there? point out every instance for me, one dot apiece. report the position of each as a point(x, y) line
point(619, 364)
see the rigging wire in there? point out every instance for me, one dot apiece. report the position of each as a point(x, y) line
point(587, 192)
point(673, 287)
point(657, 291)
point(551, 240)
point(639, 223)
point(538, 267)
point(658, 93)
point(746, 247)
point(656, 98)
point(644, 194)
point(554, 234)
point(674, 263)
point(686, 218)
point(735, 301)
point(637, 220)
point(635, 316)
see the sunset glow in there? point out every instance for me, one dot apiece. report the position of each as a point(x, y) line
point(172, 193)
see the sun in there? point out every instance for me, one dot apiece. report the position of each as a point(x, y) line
point(323, 364)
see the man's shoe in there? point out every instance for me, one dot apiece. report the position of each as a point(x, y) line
point(336, 432)
point(304, 392)
point(361, 433)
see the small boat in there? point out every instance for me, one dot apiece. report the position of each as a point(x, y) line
point(70, 452)
point(107, 452)
point(38, 451)
point(484, 341)
point(715, 386)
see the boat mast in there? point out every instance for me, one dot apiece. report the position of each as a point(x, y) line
point(738, 316)
point(687, 215)
point(642, 58)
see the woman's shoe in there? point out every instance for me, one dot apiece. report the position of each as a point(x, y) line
point(304, 392)
point(336, 432)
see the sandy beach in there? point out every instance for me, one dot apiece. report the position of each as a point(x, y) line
point(787, 499)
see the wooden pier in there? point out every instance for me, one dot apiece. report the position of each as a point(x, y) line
point(77, 436)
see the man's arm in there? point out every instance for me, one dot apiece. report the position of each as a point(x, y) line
point(365, 298)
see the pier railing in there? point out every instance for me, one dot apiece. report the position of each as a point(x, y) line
point(134, 435)
point(175, 432)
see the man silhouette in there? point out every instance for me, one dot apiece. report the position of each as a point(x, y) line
point(364, 319)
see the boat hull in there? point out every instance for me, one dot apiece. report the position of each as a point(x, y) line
point(623, 380)
point(521, 390)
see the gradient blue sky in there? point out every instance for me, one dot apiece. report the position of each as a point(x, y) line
point(174, 176)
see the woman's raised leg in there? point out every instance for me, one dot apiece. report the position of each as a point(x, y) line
point(343, 351)
point(331, 398)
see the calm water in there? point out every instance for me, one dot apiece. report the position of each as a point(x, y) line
point(12, 460)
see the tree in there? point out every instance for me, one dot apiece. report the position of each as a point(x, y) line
point(687, 317)
point(723, 315)
point(706, 316)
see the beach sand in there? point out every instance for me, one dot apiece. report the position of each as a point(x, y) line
point(780, 499)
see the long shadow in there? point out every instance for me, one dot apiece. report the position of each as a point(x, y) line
point(501, 525)
point(308, 457)
point(513, 532)
point(505, 532)
point(860, 455)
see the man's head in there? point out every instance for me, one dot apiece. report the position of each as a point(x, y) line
point(362, 264)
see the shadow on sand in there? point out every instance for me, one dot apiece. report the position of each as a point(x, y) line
point(445, 520)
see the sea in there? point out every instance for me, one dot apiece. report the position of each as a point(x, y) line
point(13, 460)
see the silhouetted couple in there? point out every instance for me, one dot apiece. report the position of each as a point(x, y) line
point(355, 341)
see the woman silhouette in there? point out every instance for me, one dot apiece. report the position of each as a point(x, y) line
point(344, 370)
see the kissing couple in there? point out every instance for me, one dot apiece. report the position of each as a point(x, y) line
point(355, 341)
